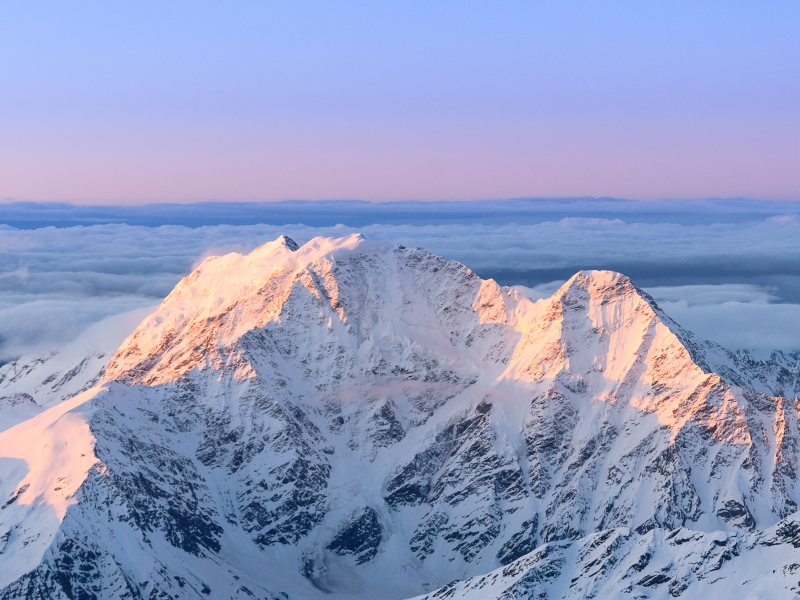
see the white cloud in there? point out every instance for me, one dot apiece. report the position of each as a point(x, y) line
point(38, 326)
point(701, 295)
point(753, 325)
point(54, 283)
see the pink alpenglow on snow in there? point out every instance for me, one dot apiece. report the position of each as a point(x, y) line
point(350, 419)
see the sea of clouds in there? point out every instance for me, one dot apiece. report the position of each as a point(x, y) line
point(737, 283)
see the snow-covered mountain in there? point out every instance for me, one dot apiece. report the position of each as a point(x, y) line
point(32, 383)
point(348, 419)
point(49, 379)
point(617, 563)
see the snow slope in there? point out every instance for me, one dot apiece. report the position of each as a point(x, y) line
point(31, 383)
point(348, 419)
point(45, 460)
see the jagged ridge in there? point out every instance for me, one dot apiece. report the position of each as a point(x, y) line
point(304, 420)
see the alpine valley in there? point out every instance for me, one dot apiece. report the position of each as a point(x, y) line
point(352, 420)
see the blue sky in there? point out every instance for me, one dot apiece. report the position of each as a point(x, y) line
point(107, 103)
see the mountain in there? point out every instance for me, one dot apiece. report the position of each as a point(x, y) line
point(49, 378)
point(17, 408)
point(348, 419)
point(617, 563)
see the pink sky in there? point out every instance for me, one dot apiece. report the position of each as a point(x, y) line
point(268, 102)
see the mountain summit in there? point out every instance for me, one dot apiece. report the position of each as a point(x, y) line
point(346, 419)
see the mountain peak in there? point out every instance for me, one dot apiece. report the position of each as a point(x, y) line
point(281, 242)
point(327, 248)
point(307, 419)
point(221, 300)
point(603, 283)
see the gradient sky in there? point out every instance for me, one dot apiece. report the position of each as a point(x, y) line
point(184, 101)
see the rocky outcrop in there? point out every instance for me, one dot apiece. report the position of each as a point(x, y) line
point(676, 563)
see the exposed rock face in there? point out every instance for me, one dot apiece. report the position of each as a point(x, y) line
point(353, 419)
point(620, 563)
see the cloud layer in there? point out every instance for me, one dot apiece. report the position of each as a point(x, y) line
point(735, 316)
point(735, 283)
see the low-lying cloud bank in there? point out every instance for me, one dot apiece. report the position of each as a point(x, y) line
point(358, 213)
point(736, 283)
point(735, 316)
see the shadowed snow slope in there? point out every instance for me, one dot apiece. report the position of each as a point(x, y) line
point(348, 419)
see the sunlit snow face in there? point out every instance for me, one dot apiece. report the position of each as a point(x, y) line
point(732, 283)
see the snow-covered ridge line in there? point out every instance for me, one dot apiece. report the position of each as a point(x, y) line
point(348, 419)
point(219, 289)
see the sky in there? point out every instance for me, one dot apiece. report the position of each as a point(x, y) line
point(128, 103)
